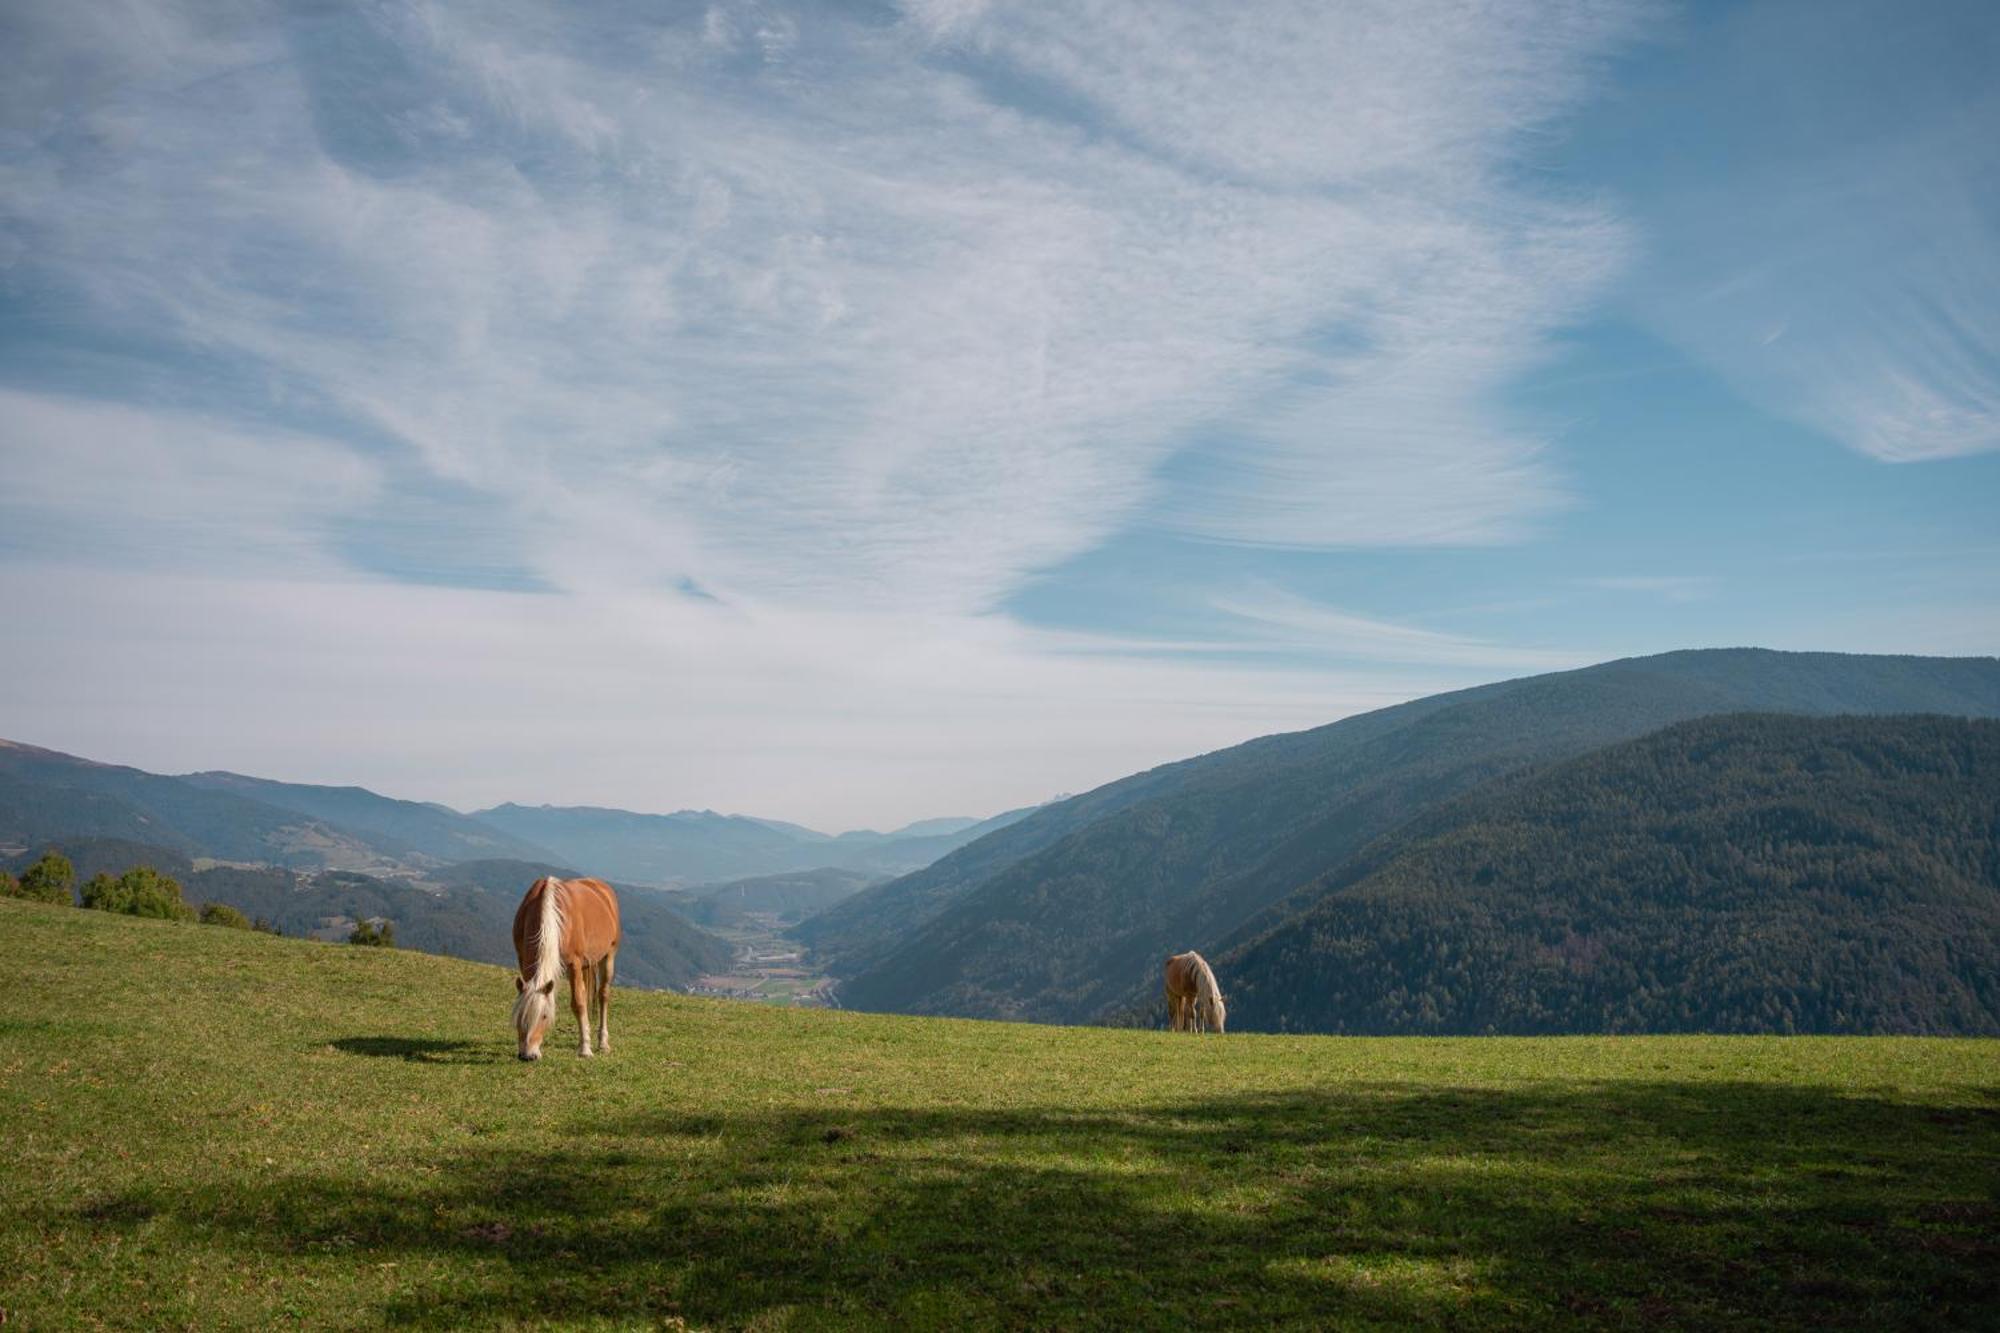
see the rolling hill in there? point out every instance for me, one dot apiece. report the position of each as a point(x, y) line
point(1058, 917)
point(1733, 874)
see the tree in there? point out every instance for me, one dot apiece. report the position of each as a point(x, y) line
point(222, 914)
point(140, 891)
point(49, 880)
point(381, 933)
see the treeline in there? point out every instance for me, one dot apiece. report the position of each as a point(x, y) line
point(1735, 874)
point(138, 891)
point(467, 913)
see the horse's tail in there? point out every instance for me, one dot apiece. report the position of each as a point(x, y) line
point(549, 934)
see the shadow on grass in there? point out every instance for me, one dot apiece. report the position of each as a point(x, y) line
point(422, 1050)
point(1664, 1204)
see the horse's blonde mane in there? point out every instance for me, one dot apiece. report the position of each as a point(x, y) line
point(548, 945)
point(549, 934)
point(1206, 991)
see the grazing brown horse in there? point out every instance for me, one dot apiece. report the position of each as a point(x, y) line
point(1194, 1001)
point(568, 925)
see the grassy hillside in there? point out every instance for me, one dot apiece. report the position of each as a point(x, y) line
point(1745, 873)
point(1186, 856)
point(208, 1128)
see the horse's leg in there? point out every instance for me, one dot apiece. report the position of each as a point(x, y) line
point(579, 1004)
point(604, 969)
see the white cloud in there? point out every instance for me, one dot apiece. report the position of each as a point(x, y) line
point(854, 323)
point(668, 304)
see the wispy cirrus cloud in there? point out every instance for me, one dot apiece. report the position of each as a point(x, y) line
point(853, 320)
point(1285, 620)
point(935, 299)
point(1828, 248)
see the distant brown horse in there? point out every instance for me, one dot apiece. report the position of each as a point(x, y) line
point(568, 925)
point(1194, 1001)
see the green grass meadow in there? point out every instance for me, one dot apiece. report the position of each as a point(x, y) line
point(207, 1128)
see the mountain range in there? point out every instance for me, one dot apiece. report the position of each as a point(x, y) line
point(1065, 915)
point(314, 859)
point(46, 795)
point(694, 846)
point(1735, 839)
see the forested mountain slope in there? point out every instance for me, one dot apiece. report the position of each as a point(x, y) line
point(1057, 918)
point(1733, 874)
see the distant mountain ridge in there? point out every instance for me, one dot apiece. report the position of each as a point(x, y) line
point(1057, 917)
point(427, 829)
point(698, 846)
point(47, 795)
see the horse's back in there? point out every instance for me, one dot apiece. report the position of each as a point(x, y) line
point(591, 909)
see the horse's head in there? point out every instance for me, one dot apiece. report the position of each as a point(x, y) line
point(1218, 1012)
point(534, 1011)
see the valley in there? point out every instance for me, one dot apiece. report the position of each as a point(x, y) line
point(769, 967)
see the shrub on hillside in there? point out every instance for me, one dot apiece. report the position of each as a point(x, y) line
point(222, 914)
point(140, 891)
point(49, 880)
point(380, 932)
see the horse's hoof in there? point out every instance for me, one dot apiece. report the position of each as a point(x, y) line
point(583, 1055)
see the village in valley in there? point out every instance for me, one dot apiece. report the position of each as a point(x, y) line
point(769, 967)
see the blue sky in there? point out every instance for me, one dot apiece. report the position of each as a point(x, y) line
point(858, 412)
